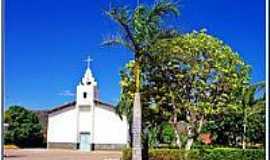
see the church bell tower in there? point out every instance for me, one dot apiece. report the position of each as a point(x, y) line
point(87, 88)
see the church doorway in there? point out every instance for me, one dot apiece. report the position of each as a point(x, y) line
point(85, 144)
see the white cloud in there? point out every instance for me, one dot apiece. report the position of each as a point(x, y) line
point(67, 93)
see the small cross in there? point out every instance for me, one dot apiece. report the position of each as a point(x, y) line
point(88, 60)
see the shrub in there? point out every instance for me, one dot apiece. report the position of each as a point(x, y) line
point(167, 133)
point(208, 154)
point(233, 154)
point(24, 128)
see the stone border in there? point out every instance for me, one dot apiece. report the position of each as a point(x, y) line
point(62, 145)
point(108, 146)
point(75, 146)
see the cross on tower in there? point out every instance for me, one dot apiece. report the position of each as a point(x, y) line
point(88, 60)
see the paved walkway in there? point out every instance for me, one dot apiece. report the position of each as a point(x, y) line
point(59, 154)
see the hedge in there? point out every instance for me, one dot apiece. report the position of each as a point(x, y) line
point(208, 154)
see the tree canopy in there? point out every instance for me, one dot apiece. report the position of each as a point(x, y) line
point(187, 77)
point(24, 128)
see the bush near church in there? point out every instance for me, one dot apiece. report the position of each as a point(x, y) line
point(24, 128)
point(196, 154)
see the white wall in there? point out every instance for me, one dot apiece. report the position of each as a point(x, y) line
point(109, 128)
point(62, 126)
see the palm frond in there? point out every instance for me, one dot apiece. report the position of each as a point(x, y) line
point(161, 8)
point(251, 100)
point(153, 20)
point(120, 15)
point(260, 86)
point(257, 108)
point(117, 41)
point(250, 93)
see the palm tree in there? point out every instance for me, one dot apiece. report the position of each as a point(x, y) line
point(251, 104)
point(139, 30)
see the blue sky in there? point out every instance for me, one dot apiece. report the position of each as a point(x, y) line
point(47, 40)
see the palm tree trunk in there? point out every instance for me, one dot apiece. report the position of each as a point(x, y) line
point(137, 118)
point(136, 128)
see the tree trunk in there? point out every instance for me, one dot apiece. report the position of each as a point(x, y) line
point(178, 141)
point(200, 125)
point(190, 129)
point(245, 130)
point(244, 137)
point(189, 143)
point(137, 117)
point(136, 129)
point(192, 132)
point(190, 138)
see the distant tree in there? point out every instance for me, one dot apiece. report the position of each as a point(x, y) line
point(250, 105)
point(255, 131)
point(24, 128)
point(244, 122)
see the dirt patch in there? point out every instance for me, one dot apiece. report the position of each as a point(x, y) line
point(59, 154)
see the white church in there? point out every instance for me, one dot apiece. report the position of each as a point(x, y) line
point(86, 123)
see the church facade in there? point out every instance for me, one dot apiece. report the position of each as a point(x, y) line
point(86, 123)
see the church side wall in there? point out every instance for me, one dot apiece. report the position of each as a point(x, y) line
point(62, 129)
point(110, 131)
